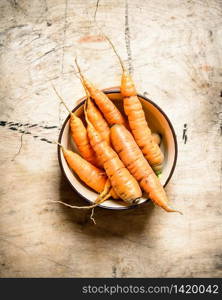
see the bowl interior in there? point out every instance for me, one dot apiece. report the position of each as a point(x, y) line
point(158, 122)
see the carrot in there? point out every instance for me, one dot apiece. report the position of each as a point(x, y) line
point(132, 157)
point(95, 116)
point(156, 138)
point(138, 124)
point(92, 176)
point(88, 173)
point(142, 133)
point(88, 111)
point(79, 135)
point(136, 118)
point(98, 120)
point(106, 106)
point(123, 183)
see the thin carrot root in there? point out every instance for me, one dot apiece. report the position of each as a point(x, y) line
point(92, 212)
point(112, 46)
point(80, 72)
point(98, 201)
point(60, 98)
point(73, 206)
point(92, 216)
point(107, 187)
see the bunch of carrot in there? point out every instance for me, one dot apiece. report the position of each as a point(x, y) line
point(119, 155)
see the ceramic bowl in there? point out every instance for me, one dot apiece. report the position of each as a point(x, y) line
point(158, 122)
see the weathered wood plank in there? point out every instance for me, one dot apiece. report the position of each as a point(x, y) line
point(174, 51)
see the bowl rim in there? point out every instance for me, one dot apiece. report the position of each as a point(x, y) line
point(117, 91)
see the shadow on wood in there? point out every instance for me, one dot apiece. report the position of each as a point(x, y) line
point(109, 223)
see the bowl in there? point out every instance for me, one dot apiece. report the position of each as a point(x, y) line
point(158, 122)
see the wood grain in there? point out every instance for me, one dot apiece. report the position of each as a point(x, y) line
point(174, 51)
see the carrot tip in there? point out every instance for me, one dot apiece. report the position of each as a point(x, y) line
point(180, 212)
point(175, 210)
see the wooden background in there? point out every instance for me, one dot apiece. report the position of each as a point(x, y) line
point(173, 49)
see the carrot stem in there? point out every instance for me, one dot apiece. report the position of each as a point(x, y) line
point(111, 43)
point(87, 93)
point(79, 70)
point(56, 143)
point(81, 78)
point(115, 51)
point(62, 101)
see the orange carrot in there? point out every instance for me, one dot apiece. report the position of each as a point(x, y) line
point(79, 136)
point(127, 87)
point(92, 176)
point(123, 183)
point(132, 157)
point(136, 118)
point(98, 120)
point(142, 133)
point(138, 124)
point(156, 138)
point(94, 114)
point(88, 173)
point(106, 106)
point(94, 136)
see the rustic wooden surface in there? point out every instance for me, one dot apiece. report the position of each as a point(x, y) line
point(173, 49)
